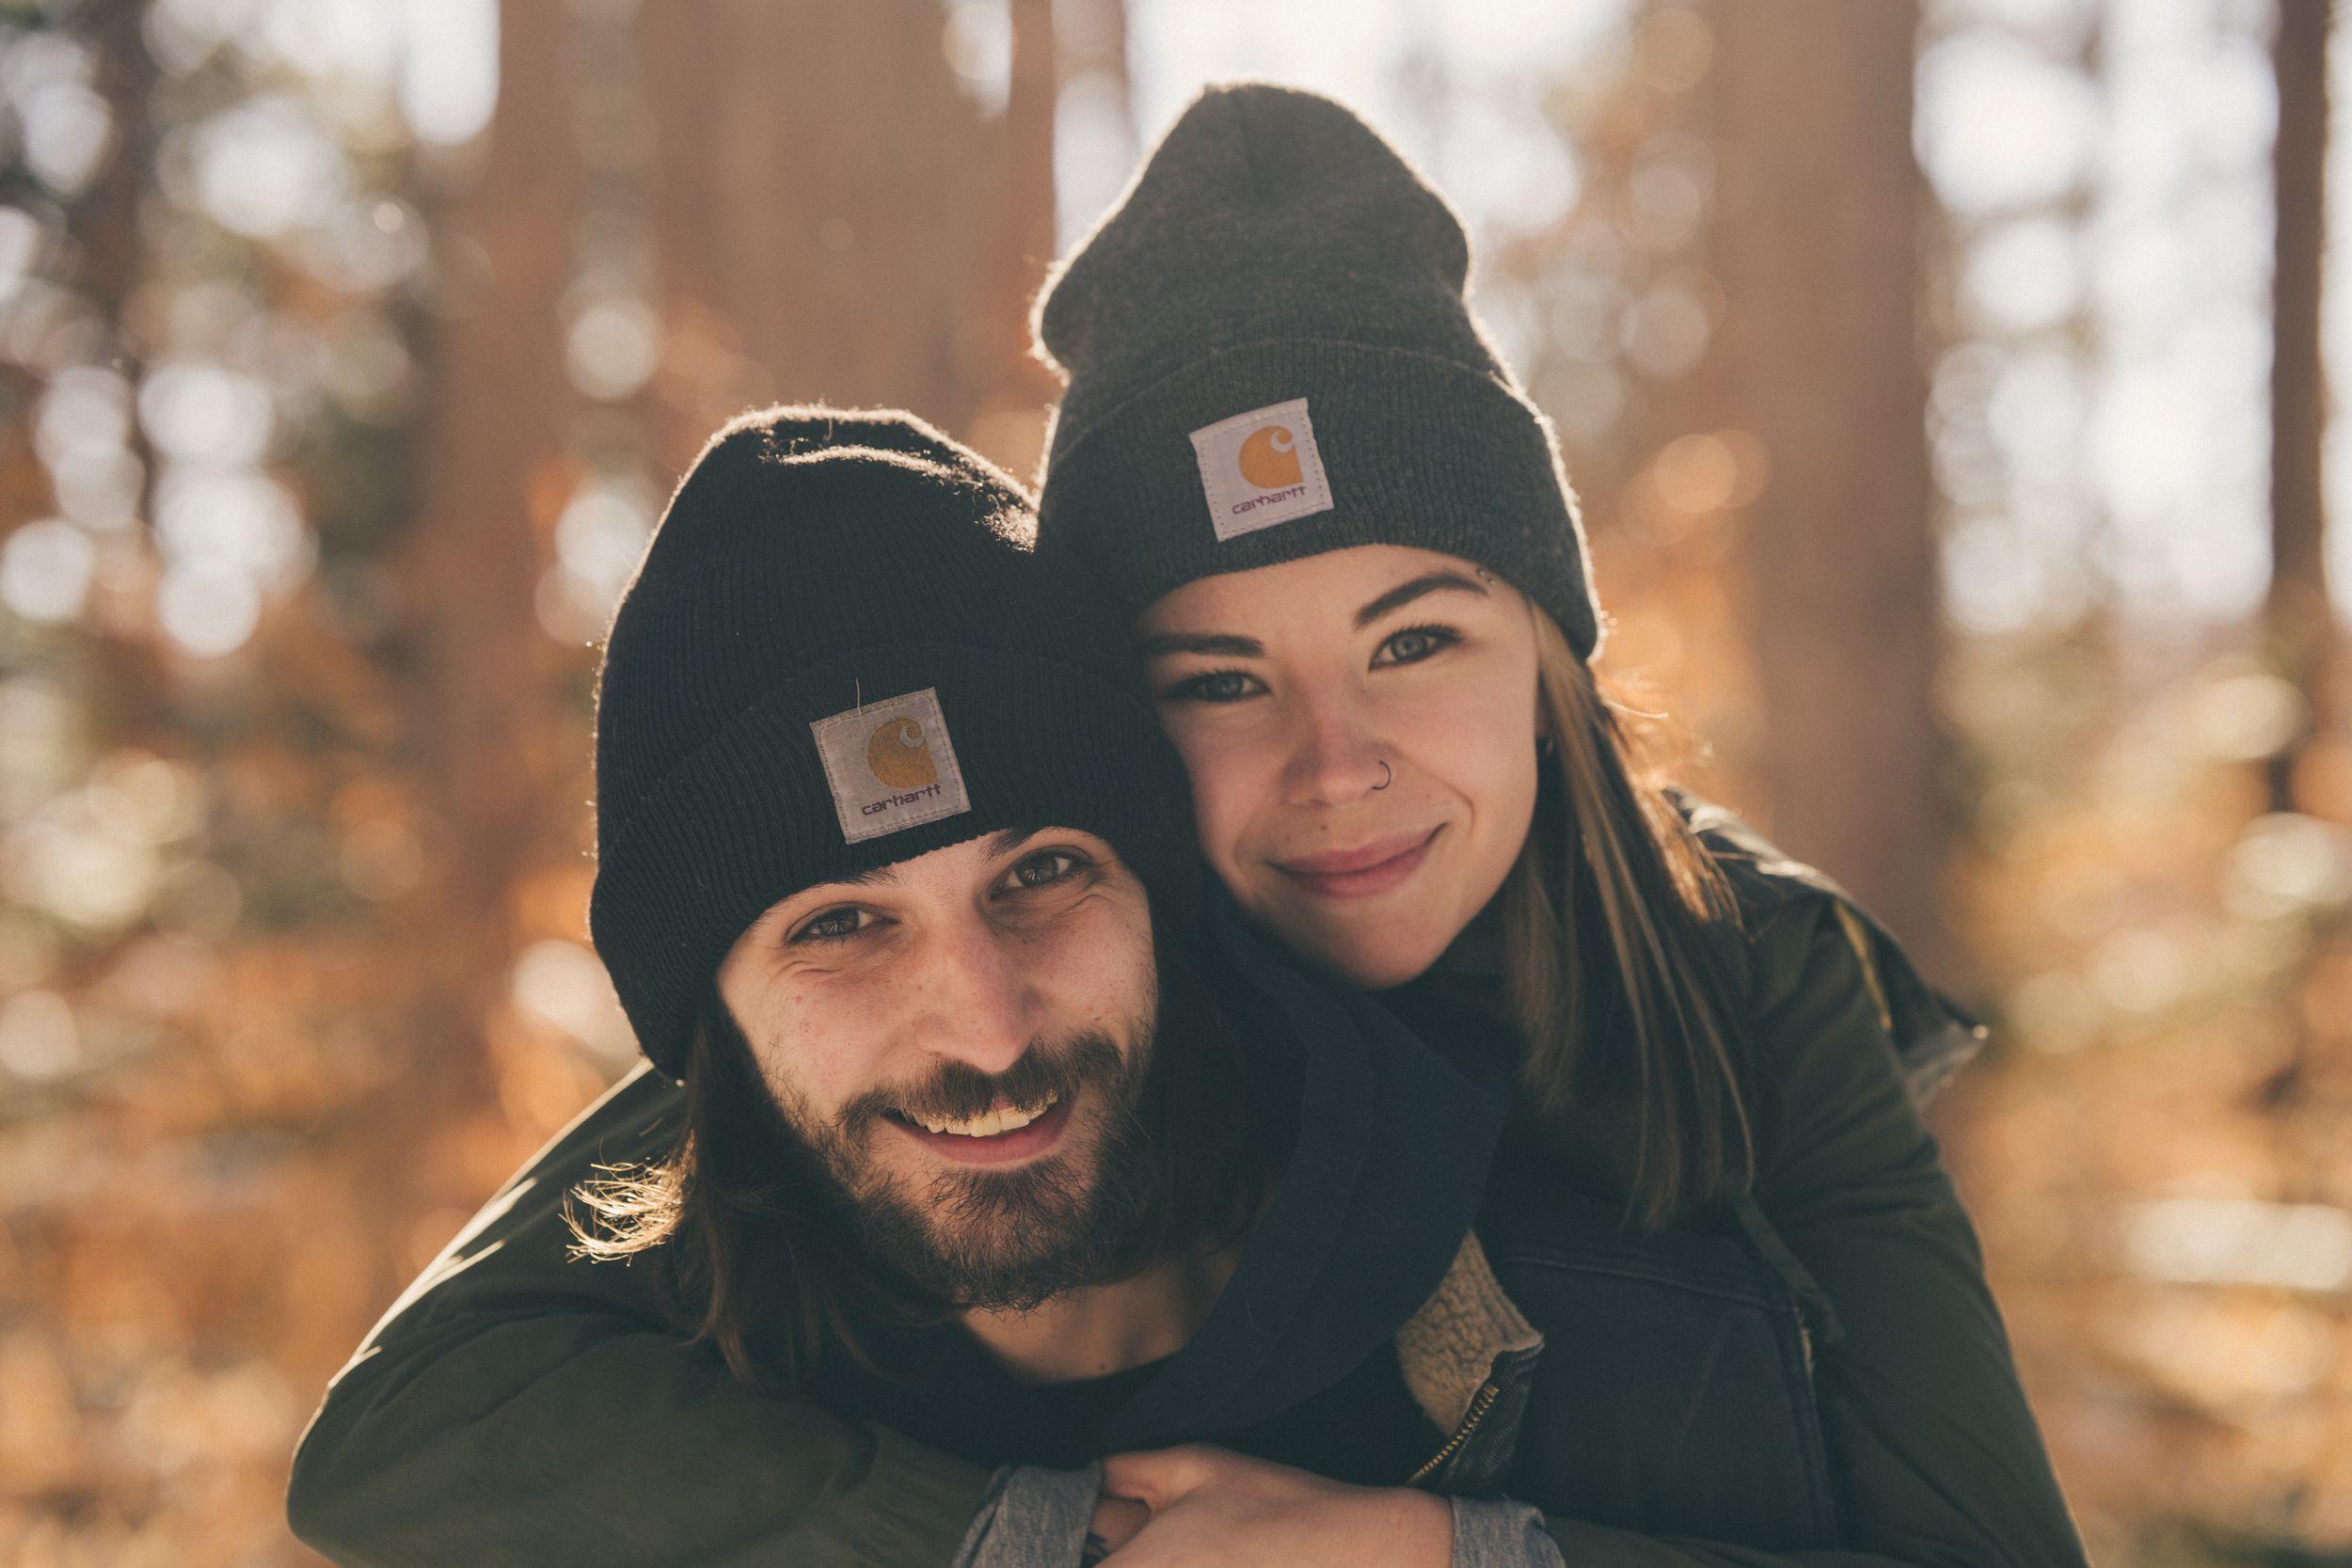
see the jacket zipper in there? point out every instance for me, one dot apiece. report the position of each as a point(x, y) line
point(1477, 1413)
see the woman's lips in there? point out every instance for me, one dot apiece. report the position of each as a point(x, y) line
point(1361, 872)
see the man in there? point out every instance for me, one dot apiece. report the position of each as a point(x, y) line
point(895, 882)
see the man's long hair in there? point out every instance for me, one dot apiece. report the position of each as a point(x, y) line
point(755, 1254)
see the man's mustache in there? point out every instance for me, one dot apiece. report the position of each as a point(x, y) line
point(959, 1091)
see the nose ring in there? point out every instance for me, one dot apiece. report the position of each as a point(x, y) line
point(1387, 775)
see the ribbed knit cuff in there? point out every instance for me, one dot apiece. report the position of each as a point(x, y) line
point(1419, 450)
point(1500, 1533)
point(1032, 1519)
point(748, 818)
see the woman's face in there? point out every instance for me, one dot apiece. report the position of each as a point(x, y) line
point(1359, 727)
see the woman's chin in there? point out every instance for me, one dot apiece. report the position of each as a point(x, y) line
point(1370, 959)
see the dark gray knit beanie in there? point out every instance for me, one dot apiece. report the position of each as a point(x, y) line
point(840, 652)
point(1269, 355)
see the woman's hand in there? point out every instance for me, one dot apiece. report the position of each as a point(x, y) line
point(1116, 1522)
point(1212, 1506)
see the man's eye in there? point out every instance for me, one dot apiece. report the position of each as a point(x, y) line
point(1415, 643)
point(1047, 867)
point(1217, 685)
point(835, 925)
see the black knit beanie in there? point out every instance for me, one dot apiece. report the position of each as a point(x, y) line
point(840, 652)
point(1269, 355)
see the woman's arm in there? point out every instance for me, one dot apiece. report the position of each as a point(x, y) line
point(1936, 1452)
point(1936, 1460)
point(517, 1406)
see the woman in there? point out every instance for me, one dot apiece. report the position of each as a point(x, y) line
point(1360, 585)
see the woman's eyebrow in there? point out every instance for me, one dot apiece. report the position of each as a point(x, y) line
point(1405, 593)
point(1215, 644)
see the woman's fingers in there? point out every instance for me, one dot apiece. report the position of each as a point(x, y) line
point(1117, 1520)
point(1157, 1477)
point(1211, 1506)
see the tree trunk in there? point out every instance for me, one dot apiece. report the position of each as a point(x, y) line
point(2296, 616)
point(110, 264)
point(836, 218)
point(1010, 391)
point(479, 715)
point(1820, 200)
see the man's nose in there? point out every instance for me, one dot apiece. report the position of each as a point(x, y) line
point(981, 1007)
point(1335, 756)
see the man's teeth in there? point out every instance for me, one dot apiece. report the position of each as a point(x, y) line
point(987, 1124)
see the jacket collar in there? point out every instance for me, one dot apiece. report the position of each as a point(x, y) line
point(1448, 1349)
point(1367, 1219)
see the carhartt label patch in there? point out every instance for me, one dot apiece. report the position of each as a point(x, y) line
point(890, 766)
point(1260, 468)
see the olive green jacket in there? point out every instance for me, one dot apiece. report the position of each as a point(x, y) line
point(516, 1406)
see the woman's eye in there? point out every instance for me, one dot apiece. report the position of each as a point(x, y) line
point(835, 925)
point(1415, 643)
point(1046, 868)
point(1217, 685)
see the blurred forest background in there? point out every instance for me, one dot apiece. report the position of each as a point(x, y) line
point(1944, 381)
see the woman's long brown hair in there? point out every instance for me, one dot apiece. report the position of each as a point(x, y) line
point(1614, 921)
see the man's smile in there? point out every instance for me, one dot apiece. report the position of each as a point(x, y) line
point(1001, 1135)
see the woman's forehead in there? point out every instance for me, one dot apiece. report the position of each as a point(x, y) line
point(1335, 583)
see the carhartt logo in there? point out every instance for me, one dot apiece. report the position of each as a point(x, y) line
point(897, 756)
point(890, 766)
point(1260, 468)
point(1269, 459)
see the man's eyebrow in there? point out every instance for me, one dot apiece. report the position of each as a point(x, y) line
point(1405, 593)
point(1215, 645)
point(1009, 839)
point(1001, 842)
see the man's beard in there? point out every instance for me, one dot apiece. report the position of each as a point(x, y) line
point(1001, 1239)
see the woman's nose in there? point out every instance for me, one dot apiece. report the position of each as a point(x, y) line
point(1335, 756)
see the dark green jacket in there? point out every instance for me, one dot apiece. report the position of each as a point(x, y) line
point(518, 1408)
